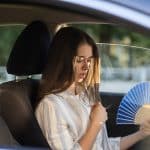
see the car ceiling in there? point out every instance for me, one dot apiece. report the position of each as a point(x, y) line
point(61, 11)
point(23, 14)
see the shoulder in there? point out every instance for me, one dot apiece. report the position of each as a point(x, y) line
point(48, 101)
point(51, 98)
point(46, 106)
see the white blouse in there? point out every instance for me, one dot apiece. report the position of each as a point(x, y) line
point(63, 119)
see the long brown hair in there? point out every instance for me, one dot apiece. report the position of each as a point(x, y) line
point(58, 74)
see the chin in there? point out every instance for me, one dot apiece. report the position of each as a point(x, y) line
point(80, 80)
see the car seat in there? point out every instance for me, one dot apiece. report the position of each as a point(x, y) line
point(17, 97)
point(5, 136)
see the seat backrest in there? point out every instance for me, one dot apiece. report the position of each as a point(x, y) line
point(17, 97)
point(6, 137)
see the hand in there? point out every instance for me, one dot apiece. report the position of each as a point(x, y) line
point(98, 114)
point(145, 129)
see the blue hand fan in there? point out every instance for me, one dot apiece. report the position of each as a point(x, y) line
point(135, 105)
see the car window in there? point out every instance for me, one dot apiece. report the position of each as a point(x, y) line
point(8, 35)
point(123, 66)
point(124, 56)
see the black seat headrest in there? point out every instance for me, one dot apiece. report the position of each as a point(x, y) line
point(29, 52)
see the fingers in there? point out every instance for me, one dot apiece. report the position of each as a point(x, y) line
point(98, 103)
point(146, 123)
point(145, 128)
point(99, 112)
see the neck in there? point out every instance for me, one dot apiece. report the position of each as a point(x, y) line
point(74, 88)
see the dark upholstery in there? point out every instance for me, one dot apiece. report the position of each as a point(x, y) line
point(6, 136)
point(29, 53)
point(17, 98)
point(17, 111)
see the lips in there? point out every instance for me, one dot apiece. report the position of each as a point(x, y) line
point(82, 75)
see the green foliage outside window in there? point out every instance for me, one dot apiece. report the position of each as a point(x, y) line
point(112, 34)
point(8, 35)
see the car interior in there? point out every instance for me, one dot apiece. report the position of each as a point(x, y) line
point(6, 136)
point(26, 62)
point(18, 95)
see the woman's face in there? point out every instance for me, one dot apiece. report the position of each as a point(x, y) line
point(82, 62)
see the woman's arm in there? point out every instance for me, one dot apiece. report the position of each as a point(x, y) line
point(97, 117)
point(88, 139)
point(130, 140)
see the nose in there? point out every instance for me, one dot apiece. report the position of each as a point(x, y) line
point(86, 65)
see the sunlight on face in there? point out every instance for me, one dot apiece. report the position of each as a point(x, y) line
point(82, 62)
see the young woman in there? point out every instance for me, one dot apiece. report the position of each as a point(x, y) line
point(69, 112)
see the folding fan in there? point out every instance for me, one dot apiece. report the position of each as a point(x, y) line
point(135, 105)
